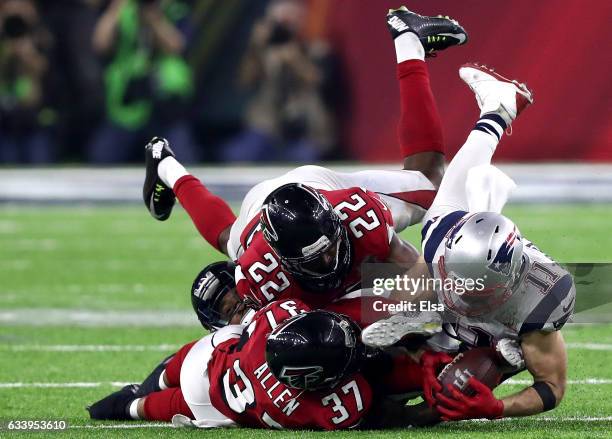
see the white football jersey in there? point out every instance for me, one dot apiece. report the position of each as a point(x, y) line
point(543, 299)
point(194, 377)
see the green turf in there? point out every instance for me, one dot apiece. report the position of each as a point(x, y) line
point(118, 258)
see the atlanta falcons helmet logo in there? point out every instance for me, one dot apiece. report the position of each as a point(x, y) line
point(302, 377)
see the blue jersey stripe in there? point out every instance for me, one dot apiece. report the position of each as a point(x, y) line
point(426, 227)
point(439, 232)
point(543, 310)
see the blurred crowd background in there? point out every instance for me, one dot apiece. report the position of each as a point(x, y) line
point(89, 81)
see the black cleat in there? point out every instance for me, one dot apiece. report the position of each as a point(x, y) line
point(435, 33)
point(158, 197)
point(115, 406)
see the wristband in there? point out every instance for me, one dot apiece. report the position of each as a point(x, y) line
point(546, 395)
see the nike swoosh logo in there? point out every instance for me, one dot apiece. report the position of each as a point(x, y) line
point(152, 209)
point(459, 37)
point(571, 304)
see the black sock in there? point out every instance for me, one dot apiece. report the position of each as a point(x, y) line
point(151, 383)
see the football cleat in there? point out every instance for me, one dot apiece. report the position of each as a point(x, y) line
point(115, 406)
point(435, 33)
point(389, 331)
point(158, 197)
point(511, 352)
point(495, 93)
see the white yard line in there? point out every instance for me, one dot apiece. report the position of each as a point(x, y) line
point(121, 426)
point(94, 318)
point(171, 347)
point(551, 419)
point(169, 425)
point(44, 385)
point(22, 385)
point(590, 346)
point(593, 381)
point(90, 348)
point(133, 318)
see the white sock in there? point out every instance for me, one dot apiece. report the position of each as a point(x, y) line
point(170, 170)
point(488, 189)
point(133, 411)
point(477, 150)
point(408, 46)
point(162, 382)
point(480, 147)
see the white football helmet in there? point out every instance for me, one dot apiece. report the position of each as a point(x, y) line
point(484, 254)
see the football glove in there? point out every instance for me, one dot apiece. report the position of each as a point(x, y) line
point(431, 363)
point(460, 406)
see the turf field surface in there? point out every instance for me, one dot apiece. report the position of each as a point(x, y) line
point(92, 297)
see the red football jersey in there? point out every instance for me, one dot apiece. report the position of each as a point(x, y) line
point(369, 224)
point(243, 388)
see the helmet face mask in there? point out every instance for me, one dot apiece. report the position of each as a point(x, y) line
point(474, 302)
point(213, 296)
point(308, 236)
point(323, 262)
point(324, 270)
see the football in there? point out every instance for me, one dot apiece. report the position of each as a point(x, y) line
point(481, 363)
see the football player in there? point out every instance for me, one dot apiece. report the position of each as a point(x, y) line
point(337, 220)
point(214, 298)
point(287, 368)
point(217, 304)
point(520, 297)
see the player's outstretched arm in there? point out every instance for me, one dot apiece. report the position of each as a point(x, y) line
point(402, 252)
point(546, 360)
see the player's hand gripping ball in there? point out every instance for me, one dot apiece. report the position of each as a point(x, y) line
point(467, 384)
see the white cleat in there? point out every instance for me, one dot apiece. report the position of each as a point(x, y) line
point(495, 93)
point(387, 332)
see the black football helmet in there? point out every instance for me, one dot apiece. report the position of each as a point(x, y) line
point(314, 350)
point(209, 288)
point(308, 236)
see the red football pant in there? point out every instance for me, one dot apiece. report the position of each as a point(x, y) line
point(420, 128)
point(162, 405)
point(173, 368)
point(209, 213)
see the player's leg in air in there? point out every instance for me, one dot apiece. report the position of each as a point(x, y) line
point(420, 128)
point(408, 194)
point(166, 179)
point(501, 101)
